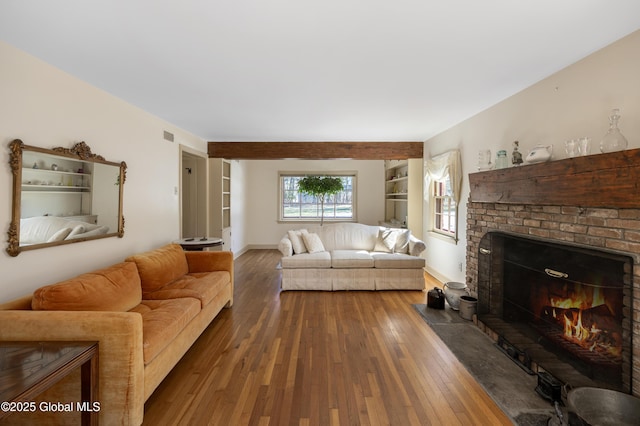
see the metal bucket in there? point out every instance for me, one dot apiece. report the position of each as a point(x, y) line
point(596, 406)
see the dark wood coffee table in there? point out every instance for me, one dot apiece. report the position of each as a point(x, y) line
point(29, 368)
point(199, 243)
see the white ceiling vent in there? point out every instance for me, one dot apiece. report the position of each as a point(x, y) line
point(168, 136)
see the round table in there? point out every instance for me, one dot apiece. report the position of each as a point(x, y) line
point(199, 243)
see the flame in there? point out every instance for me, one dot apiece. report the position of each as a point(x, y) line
point(585, 335)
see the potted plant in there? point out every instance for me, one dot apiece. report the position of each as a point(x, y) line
point(320, 187)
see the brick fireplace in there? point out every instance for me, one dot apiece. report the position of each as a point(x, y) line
point(588, 202)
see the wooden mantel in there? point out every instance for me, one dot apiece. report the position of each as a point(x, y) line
point(602, 180)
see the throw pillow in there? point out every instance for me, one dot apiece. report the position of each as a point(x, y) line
point(80, 229)
point(296, 241)
point(313, 242)
point(60, 235)
point(386, 241)
point(402, 241)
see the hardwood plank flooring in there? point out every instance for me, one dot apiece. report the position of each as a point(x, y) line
point(318, 358)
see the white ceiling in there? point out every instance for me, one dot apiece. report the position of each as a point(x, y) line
point(307, 70)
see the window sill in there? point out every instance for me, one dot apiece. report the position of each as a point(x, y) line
point(443, 237)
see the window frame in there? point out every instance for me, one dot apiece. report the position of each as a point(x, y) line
point(316, 219)
point(441, 197)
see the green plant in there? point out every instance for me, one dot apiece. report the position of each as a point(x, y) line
point(320, 187)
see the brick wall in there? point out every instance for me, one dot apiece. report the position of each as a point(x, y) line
point(610, 229)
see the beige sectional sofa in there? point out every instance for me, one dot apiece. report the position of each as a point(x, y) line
point(145, 313)
point(351, 256)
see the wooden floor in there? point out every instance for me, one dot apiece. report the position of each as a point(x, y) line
point(318, 358)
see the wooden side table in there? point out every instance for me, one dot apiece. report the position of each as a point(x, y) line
point(29, 368)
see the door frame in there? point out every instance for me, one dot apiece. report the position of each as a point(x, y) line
point(202, 192)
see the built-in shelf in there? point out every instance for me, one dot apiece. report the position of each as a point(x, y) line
point(220, 219)
point(403, 194)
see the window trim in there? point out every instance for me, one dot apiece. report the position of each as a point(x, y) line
point(438, 168)
point(433, 213)
point(349, 173)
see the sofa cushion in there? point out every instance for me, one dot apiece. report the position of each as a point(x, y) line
point(159, 267)
point(203, 286)
point(313, 242)
point(351, 259)
point(397, 261)
point(162, 321)
point(116, 288)
point(307, 260)
point(347, 236)
point(297, 242)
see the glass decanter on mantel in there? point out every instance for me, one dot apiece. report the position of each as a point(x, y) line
point(613, 140)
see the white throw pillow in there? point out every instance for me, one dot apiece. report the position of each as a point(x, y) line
point(96, 231)
point(402, 241)
point(296, 240)
point(386, 241)
point(80, 229)
point(60, 235)
point(313, 242)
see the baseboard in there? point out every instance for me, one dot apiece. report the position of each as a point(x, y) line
point(437, 275)
point(254, 247)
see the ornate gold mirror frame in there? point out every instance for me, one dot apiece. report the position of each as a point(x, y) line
point(70, 191)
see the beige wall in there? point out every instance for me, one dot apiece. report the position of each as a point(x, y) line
point(46, 107)
point(573, 102)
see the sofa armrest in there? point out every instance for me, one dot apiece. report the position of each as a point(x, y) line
point(416, 246)
point(285, 247)
point(121, 366)
point(209, 261)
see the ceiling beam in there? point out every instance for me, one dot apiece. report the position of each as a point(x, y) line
point(315, 150)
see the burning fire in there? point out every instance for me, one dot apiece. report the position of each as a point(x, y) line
point(579, 314)
point(580, 299)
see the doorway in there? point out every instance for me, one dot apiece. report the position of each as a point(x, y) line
point(193, 168)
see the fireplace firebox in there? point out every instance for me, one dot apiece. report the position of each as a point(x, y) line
point(558, 308)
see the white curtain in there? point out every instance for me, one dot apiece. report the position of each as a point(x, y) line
point(439, 167)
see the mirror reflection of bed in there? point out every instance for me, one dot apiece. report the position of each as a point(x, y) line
point(50, 229)
point(62, 196)
point(51, 215)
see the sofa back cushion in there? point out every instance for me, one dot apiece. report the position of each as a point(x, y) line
point(116, 288)
point(159, 267)
point(347, 236)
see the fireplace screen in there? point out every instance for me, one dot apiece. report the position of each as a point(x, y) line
point(566, 308)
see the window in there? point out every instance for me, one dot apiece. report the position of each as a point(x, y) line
point(443, 182)
point(444, 208)
point(296, 206)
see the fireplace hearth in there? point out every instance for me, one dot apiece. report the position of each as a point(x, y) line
point(558, 308)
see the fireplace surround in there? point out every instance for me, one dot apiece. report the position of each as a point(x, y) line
point(590, 204)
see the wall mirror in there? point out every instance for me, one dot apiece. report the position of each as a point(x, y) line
point(63, 196)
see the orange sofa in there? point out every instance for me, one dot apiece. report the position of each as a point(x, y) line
point(145, 313)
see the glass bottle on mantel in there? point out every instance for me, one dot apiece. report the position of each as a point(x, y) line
point(613, 140)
